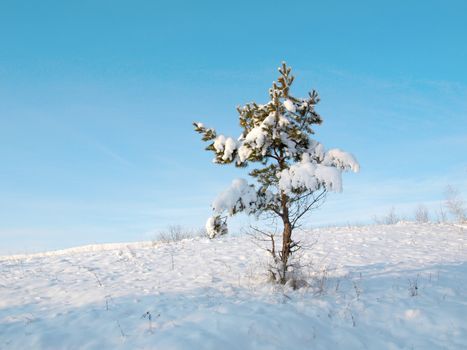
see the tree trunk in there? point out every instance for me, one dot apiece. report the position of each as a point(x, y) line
point(286, 239)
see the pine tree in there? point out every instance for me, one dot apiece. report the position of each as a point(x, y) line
point(292, 171)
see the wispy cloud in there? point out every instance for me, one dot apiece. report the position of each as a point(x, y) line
point(105, 150)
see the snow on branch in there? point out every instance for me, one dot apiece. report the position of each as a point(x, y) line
point(240, 196)
point(225, 147)
point(310, 175)
point(216, 226)
point(344, 160)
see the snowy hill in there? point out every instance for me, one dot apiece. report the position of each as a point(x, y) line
point(374, 287)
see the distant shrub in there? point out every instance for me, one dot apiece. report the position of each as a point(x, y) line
point(455, 204)
point(441, 216)
point(421, 214)
point(390, 218)
point(176, 233)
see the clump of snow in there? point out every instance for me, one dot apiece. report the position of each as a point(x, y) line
point(240, 195)
point(256, 139)
point(341, 159)
point(316, 150)
point(289, 106)
point(219, 143)
point(310, 175)
point(215, 226)
point(226, 145)
point(229, 148)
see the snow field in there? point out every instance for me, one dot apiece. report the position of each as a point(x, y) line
point(375, 287)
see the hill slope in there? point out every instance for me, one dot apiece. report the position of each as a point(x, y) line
point(374, 287)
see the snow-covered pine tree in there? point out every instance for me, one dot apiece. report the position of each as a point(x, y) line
point(292, 171)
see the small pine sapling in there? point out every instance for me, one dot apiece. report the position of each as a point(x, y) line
point(292, 171)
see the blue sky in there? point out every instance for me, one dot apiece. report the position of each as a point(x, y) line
point(97, 100)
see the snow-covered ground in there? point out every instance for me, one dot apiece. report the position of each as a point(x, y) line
point(374, 287)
